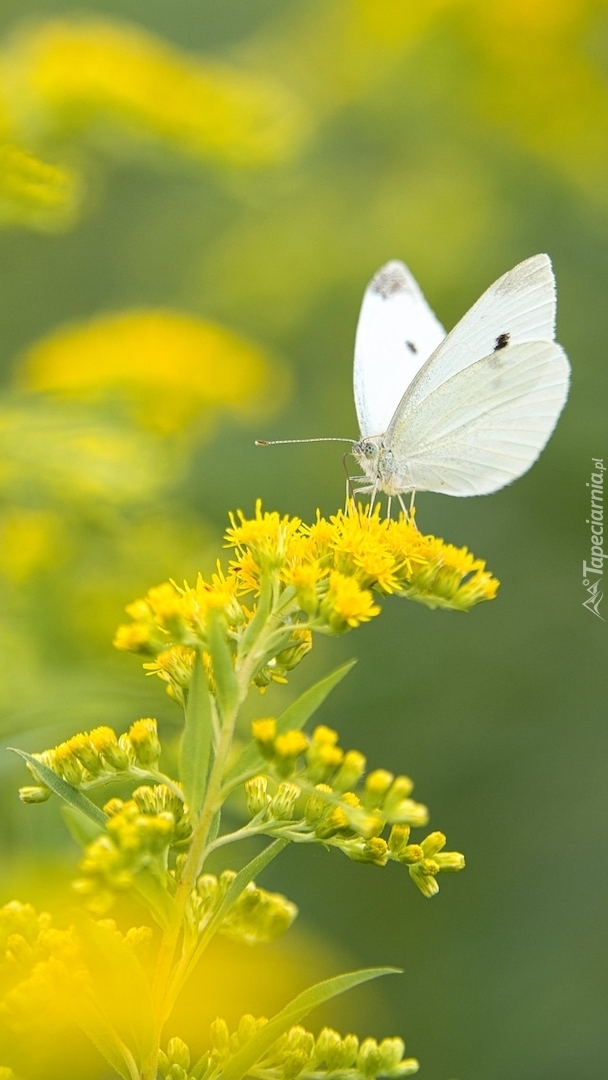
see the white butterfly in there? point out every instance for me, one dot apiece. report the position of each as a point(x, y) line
point(462, 414)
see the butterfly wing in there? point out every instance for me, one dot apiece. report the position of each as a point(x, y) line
point(519, 307)
point(484, 426)
point(396, 334)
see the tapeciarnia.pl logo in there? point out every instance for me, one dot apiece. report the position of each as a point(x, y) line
point(593, 571)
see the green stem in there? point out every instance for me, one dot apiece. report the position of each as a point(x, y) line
point(212, 802)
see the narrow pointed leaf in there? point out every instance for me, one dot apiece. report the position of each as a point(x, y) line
point(227, 687)
point(80, 827)
point(241, 881)
point(260, 1043)
point(60, 787)
point(195, 752)
point(293, 717)
point(121, 987)
point(103, 1036)
point(159, 902)
point(260, 617)
point(300, 710)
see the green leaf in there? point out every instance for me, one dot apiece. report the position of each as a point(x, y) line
point(160, 903)
point(260, 1043)
point(227, 687)
point(241, 881)
point(121, 990)
point(292, 718)
point(195, 751)
point(295, 715)
point(104, 1038)
point(60, 787)
point(261, 614)
point(79, 826)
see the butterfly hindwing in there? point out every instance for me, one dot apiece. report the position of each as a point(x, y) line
point(484, 426)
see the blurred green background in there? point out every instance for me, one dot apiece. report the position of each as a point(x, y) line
point(203, 189)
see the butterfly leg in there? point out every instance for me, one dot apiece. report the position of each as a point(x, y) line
point(388, 506)
point(409, 513)
point(349, 479)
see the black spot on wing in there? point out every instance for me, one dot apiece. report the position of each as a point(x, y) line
point(501, 341)
point(411, 347)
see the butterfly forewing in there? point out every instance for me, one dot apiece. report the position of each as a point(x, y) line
point(484, 426)
point(396, 333)
point(517, 308)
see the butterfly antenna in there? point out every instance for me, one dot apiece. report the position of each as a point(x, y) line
point(288, 442)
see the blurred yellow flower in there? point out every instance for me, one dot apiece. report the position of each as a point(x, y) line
point(79, 73)
point(30, 540)
point(33, 192)
point(168, 365)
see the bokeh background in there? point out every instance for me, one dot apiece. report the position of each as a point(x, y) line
point(192, 198)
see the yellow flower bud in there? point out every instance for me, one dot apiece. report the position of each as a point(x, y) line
point(350, 771)
point(283, 805)
point(410, 854)
point(316, 805)
point(34, 793)
point(433, 843)
point(264, 732)
point(423, 875)
point(247, 1028)
point(399, 836)
point(287, 749)
point(328, 1049)
point(450, 861)
point(163, 1064)
point(256, 792)
point(391, 1053)
point(219, 1035)
point(373, 851)
point(369, 1061)
point(377, 784)
point(143, 737)
point(178, 1053)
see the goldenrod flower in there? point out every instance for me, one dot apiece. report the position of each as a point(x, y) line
point(297, 1052)
point(78, 74)
point(257, 916)
point(346, 604)
point(169, 367)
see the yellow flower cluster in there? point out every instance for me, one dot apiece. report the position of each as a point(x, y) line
point(256, 917)
point(333, 563)
point(169, 366)
point(325, 799)
point(93, 757)
point(323, 577)
point(297, 1053)
point(82, 73)
point(137, 838)
point(46, 972)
